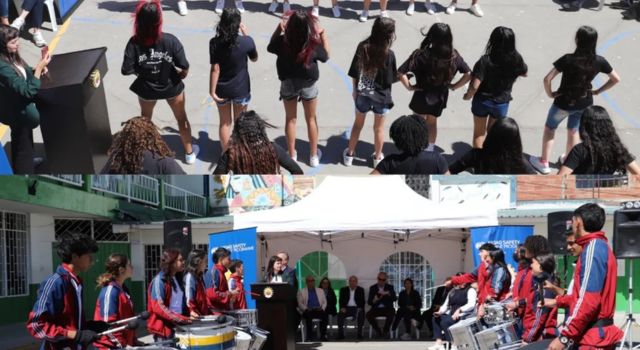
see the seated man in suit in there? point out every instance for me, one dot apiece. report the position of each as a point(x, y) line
point(381, 298)
point(351, 303)
point(312, 304)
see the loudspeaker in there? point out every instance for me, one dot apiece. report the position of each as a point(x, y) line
point(558, 223)
point(177, 234)
point(626, 233)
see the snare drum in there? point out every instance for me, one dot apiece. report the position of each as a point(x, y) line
point(245, 318)
point(259, 337)
point(243, 340)
point(206, 336)
point(497, 336)
point(462, 333)
point(495, 314)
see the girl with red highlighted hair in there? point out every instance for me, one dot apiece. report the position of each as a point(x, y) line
point(159, 62)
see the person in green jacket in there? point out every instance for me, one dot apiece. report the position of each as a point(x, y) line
point(19, 85)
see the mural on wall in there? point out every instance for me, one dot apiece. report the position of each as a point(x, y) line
point(498, 191)
point(231, 194)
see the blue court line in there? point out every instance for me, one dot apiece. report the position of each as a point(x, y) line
point(608, 99)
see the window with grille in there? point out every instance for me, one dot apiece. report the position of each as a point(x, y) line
point(100, 230)
point(13, 254)
point(402, 265)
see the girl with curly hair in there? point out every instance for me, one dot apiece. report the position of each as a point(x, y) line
point(229, 84)
point(251, 152)
point(139, 149)
point(601, 151)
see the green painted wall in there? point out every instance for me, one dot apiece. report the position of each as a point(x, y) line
point(317, 265)
point(16, 309)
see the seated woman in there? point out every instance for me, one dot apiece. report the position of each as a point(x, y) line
point(251, 152)
point(330, 295)
point(409, 305)
point(410, 135)
point(601, 151)
point(501, 153)
point(139, 149)
point(460, 304)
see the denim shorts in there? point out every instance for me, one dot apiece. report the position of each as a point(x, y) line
point(557, 115)
point(300, 89)
point(244, 101)
point(365, 104)
point(482, 107)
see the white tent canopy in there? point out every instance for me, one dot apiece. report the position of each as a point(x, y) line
point(365, 203)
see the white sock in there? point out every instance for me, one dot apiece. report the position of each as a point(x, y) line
point(431, 147)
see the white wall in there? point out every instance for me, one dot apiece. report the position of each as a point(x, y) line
point(41, 237)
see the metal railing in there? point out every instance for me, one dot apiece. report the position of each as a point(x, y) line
point(75, 180)
point(178, 199)
point(138, 188)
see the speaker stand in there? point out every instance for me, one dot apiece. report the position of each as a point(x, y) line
point(630, 321)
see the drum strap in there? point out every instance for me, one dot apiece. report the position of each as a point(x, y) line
point(600, 324)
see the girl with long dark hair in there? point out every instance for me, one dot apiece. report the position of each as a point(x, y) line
point(601, 150)
point(165, 297)
point(574, 94)
point(300, 43)
point(195, 291)
point(274, 270)
point(539, 320)
point(160, 65)
point(501, 152)
point(373, 71)
point(410, 135)
point(434, 65)
point(500, 276)
point(19, 85)
point(493, 78)
point(251, 152)
point(114, 302)
point(229, 83)
point(139, 149)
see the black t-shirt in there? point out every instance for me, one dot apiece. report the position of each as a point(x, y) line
point(234, 77)
point(575, 87)
point(497, 80)
point(284, 160)
point(288, 66)
point(376, 85)
point(424, 163)
point(579, 160)
point(153, 165)
point(472, 161)
point(417, 64)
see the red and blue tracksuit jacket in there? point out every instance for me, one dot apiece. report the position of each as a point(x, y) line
point(57, 310)
point(217, 288)
point(241, 299)
point(480, 275)
point(113, 304)
point(162, 321)
point(539, 322)
point(196, 294)
point(522, 288)
point(593, 297)
point(500, 284)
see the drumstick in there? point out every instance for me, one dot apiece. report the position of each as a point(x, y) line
point(434, 287)
point(143, 316)
point(133, 324)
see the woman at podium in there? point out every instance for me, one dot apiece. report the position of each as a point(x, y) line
point(19, 84)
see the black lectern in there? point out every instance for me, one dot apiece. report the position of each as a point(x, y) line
point(73, 113)
point(276, 314)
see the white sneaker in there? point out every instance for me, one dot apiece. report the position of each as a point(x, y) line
point(405, 336)
point(294, 157)
point(182, 8)
point(477, 10)
point(347, 159)
point(411, 9)
point(273, 7)
point(38, 39)
point(315, 11)
point(451, 9)
point(336, 11)
point(384, 14)
point(191, 157)
point(429, 7)
point(437, 347)
point(315, 160)
point(286, 7)
point(240, 6)
point(18, 23)
point(219, 6)
point(376, 161)
point(542, 168)
point(453, 347)
point(561, 159)
point(364, 16)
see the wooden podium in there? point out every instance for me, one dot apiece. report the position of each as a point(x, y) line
point(276, 314)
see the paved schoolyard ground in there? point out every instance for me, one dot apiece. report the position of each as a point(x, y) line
point(543, 34)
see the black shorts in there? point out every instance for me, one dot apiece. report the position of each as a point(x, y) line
point(153, 92)
point(432, 104)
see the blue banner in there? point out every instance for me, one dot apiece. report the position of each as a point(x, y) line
point(506, 238)
point(243, 245)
